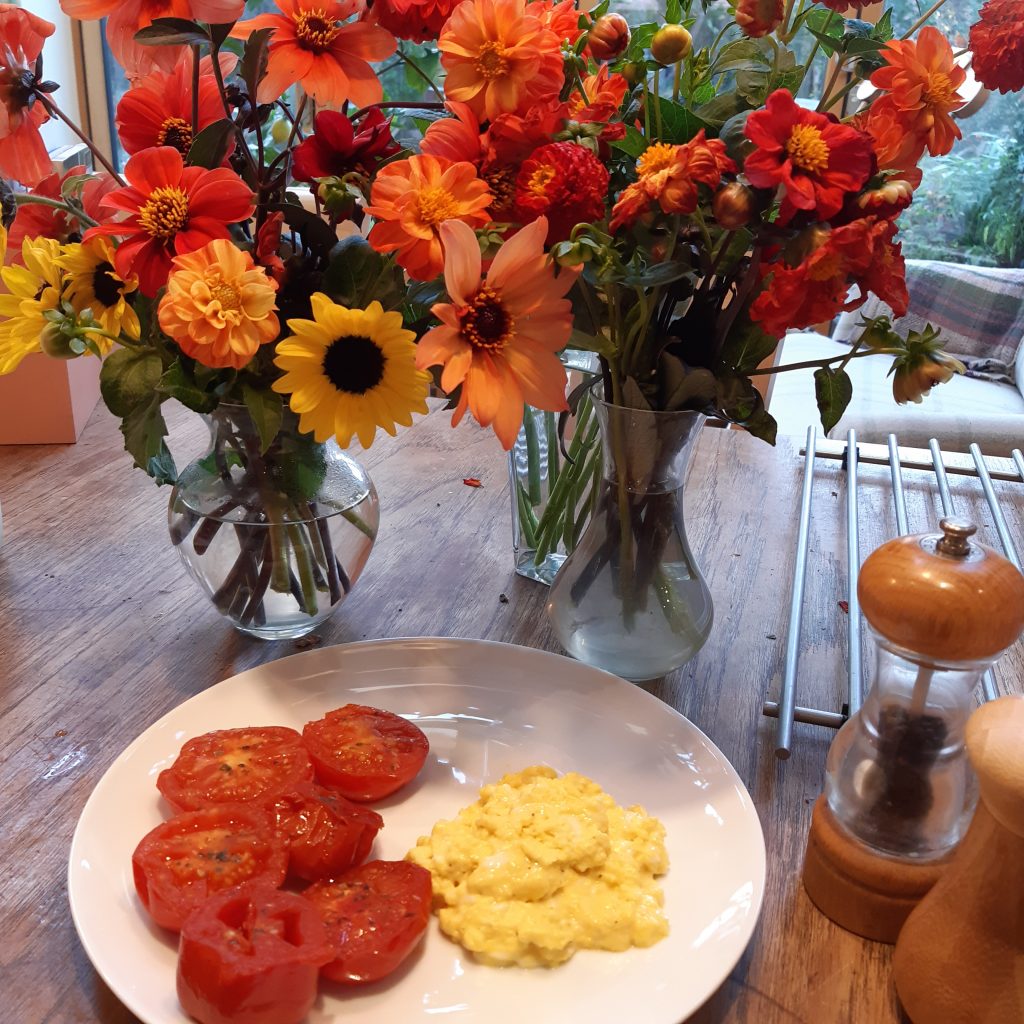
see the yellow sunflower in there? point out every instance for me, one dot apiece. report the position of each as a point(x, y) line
point(93, 284)
point(32, 290)
point(349, 371)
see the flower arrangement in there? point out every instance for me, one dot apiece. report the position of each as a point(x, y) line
point(578, 181)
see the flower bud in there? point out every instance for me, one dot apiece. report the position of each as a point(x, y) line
point(634, 72)
point(280, 130)
point(608, 37)
point(912, 383)
point(733, 205)
point(671, 43)
point(55, 343)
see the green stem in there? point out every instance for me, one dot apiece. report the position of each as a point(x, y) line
point(304, 567)
point(353, 517)
point(26, 199)
point(532, 457)
point(807, 363)
point(551, 437)
point(195, 91)
point(54, 111)
point(924, 17)
point(816, 47)
point(657, 101)
point(421, 73)
point(527, 520)
point(826, 101)
point(279, 578)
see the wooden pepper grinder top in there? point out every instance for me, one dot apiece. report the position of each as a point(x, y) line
point(960, 956)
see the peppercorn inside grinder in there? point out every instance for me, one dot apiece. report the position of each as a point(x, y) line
point(899, 791)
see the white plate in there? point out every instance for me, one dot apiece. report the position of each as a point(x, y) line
point(488, 709)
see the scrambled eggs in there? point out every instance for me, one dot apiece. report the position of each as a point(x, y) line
point(543, 865)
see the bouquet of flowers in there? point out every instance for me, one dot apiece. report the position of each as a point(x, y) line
point(287, 246)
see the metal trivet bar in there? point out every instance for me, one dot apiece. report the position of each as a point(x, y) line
point(786, 709)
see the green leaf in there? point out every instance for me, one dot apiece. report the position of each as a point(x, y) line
point(220, 32)
point(266, 409)
point(172, 32)
point(762, 424)
point(633, 396)
point(733, 134)
point(673, 12)
point(684, 389)
point(829, 43)
point(657, 274)
point(717, 111)
point(856, 47)
point(253, 65)
point(704, 93)
point(354, 266)
point(178, 383)
point(317, 234)
point(632, 143)
point(833, 390)
point(678, 125)
point(742, 403)
point(746, 347)
point(883, 27)
point(742, 50)
point(144, 431)
point(212, 144)
point(128, 379)
point(639, 39)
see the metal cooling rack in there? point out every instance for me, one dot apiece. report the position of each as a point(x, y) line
point(786, 709)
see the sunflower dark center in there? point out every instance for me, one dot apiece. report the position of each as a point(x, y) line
point(105, 286)
point(354, 364)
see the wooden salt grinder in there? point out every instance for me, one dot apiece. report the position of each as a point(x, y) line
point(960, 956)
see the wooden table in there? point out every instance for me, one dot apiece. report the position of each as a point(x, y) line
point(102, 633)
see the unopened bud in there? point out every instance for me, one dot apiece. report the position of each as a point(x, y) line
point(55, 343)
point(733, 205)
point(280, 130)
point(634, 72)
point(671, 43)
point(608, 37)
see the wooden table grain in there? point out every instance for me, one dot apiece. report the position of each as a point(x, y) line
point(101, 633)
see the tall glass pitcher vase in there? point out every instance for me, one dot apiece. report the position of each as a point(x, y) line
point(630, 598)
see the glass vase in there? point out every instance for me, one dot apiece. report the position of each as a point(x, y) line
point(277, 538)
point(630, 598)
point(553, 496)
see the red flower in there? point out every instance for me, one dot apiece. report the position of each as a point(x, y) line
point(758, 17)
point(33, 220)
point(172, 209)
point(561, 16)
point(158, 111)
point(564, 182)
point(416, 20)
point(23, 154)
point(337, 146)
point(861, 253)
point(814, 157)
point(268, 245)
point(997, 42)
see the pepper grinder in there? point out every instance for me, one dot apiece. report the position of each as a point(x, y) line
point(960, 956)
point(899, 791)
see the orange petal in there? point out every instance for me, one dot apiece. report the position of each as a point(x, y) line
point(461, 261)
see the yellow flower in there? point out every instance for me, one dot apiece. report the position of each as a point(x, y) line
point(94, 285)
point(32, 290)
point(349, 371)
point(219, 306)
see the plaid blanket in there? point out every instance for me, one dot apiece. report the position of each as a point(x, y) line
point(980, 311)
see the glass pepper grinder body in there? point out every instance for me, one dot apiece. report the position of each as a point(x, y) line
point(897, 776)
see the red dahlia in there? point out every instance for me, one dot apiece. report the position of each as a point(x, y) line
point(997, 42)
point(758, 17)
point(564, 182)
point(415, 20)
point(337, 147)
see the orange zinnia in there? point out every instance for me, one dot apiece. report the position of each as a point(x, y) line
point(328, 59)
point(23, 153)
point(499, 335)
point(173, 209)
point(499, 57)
point(126, 17)
point(219, 306)
point(920, 80)
point(412, 198)
point(158, 111)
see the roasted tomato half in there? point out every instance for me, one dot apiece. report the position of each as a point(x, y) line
point(251, 956)
point(365, 753)
point(184, 861)
point(235, 765)
point(375, 915)
point(327, 834)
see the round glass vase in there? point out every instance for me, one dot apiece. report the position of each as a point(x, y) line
point(276, 538)
point(630, 598)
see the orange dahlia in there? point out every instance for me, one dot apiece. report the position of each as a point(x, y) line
point(23, 154)
point(158, 110)
point(600, 98)
point(126, 17)
point(669, 175)
point(499, 57)
point(416, 20)
point(499, 334)
point(455, 138)
point(812, 156)
point(328, 59)
point(861, 253)
point(412, 198)
point(560, 16)
point(219, 306)
point(564, 182)
point(920, 81)
point(172, 209)
point(997, 42)
point(757, 18)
